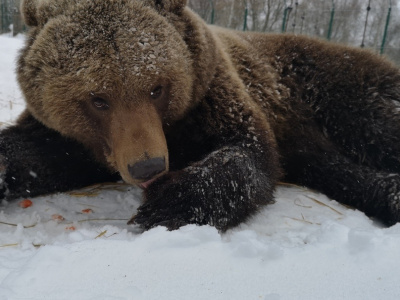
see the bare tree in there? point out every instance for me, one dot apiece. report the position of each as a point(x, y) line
point(265, 14)
point(7, 9)
point(344, 19)
point(309, 17)
point(202, 8)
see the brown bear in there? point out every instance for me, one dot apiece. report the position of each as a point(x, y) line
point(204, 119)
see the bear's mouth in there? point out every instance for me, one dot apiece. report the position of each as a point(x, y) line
point(145, 185)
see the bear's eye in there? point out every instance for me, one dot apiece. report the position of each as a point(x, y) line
point(100, 103)
point(157, 92)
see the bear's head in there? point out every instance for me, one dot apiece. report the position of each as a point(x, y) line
point(114, 75)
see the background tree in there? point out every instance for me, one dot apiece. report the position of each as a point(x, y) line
point(313, 18)
point(7, 8)
point(308, 17)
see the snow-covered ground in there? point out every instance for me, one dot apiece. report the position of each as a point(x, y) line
point(11, 103)
point(78, 246)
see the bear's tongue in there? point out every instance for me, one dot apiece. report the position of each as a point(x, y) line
point(146, 184)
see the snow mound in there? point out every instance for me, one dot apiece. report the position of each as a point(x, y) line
point(77, 245)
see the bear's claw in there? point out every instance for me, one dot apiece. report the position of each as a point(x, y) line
point(162, 206)
point(172, 224)
point(154, 220)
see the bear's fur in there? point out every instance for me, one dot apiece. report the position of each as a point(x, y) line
point(205, 119)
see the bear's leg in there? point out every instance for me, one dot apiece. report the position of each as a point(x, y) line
point(369, 131)
point(377, 193)
point(35, 160)
point(365, 123)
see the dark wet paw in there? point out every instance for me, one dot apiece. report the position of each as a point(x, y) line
point(156, 213)
point(154, 220)
point(167, 203)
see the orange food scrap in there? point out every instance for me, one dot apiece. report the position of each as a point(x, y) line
point(25, 203)
point(57, 217)
point(87, 211)
point(72, 228)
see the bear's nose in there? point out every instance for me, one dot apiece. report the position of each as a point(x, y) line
point(147, 169)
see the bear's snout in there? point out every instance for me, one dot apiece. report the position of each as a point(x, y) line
point(147, 169)
point(138, 144)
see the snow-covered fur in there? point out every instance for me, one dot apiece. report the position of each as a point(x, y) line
point(205, 119)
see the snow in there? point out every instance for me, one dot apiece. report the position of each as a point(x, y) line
point(11, 104)
point(77, 245)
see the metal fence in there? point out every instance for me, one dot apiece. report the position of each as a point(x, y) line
point(373, 24)
point(10, 17)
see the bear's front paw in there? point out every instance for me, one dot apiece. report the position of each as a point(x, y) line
point(154, 219)
point(168, 203)
point(152, 214)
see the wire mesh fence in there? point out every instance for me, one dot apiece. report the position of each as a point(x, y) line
point(373, 24)
point(10, 17)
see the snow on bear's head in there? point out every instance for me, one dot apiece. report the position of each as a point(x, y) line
point(110, 74)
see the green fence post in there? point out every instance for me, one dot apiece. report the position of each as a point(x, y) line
point(245, 18)
point(212, 11)
point(286, 13)
point(331, 21)
point(284, 20)
point(386, 28)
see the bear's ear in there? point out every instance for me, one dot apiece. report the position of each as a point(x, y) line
point(174, 6)
point(29, 12)
point(38, 12)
